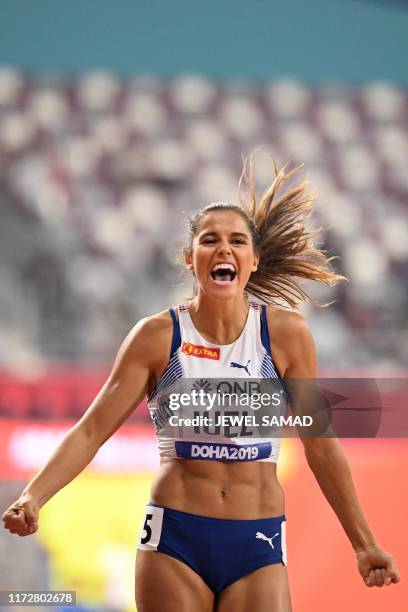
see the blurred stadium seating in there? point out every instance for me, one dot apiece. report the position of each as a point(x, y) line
point(97, 174)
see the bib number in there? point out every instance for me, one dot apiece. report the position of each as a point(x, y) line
point(147, 529)
point(151, 529)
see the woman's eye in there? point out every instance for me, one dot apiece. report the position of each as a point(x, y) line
point(233, 241)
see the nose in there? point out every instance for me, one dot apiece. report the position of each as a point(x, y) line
point(224, 250)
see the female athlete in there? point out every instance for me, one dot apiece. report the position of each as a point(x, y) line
point(213, 536)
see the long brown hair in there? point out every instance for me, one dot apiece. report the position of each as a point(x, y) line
point(285, 246)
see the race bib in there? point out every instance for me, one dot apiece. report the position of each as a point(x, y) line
point(283, 543)
point(151, 529)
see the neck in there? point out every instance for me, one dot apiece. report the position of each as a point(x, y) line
point(219, 321)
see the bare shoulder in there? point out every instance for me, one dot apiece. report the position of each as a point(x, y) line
point(150, 338)
point(291, 339)
point(160, 323)
point(288, 324)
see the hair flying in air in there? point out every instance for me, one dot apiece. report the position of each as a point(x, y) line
point(285, 246)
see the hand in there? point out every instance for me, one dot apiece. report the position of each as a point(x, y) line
point(377, 567)
point(22, 516)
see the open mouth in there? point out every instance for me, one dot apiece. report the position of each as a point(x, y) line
point(223, 273)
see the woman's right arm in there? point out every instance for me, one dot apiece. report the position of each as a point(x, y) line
point(122, 392)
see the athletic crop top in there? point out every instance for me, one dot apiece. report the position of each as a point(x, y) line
point(191, 427)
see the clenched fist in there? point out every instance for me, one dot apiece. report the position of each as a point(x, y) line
point(22, 516)
point(377, 567)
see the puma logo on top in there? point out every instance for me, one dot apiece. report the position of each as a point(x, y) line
point(261, 536)
point(233, 364)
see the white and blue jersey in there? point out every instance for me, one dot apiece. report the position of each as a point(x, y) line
point(197, 361)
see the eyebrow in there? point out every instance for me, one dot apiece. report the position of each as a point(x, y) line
point(212, 233)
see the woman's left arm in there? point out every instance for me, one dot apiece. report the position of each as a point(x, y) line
point(327, 460)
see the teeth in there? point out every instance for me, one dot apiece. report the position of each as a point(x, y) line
point(223, 272)
point(223, 266)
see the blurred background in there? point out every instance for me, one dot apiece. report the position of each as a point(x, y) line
point(117, 121)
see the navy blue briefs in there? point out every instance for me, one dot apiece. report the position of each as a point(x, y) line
point(221, 551)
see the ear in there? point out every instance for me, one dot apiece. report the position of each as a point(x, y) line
point(188, 260)
point(255, 263)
